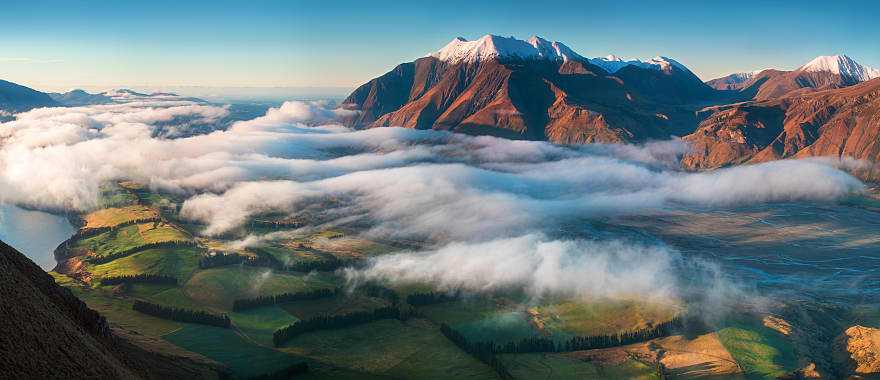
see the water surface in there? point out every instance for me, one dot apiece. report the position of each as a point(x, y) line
point(34, 233)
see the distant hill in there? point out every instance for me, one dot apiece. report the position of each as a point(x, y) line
point(75, 98)
point(48, 333)
point(17, 98)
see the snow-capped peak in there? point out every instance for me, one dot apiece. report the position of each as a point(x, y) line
point(492, 47)
point(841, 65)
point(613, 63)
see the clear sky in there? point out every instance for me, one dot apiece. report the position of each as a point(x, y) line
point(53, 45)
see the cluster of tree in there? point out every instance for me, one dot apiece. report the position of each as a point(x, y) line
point(92, 231)
point(577, 343)
point(182, 315)
point(285, 373)
point(328, 265)
point(219, 260)
point(430, 298)
point(379, 291)
point(142, 277)
point(482, 351)
point(334, 321)
point(250, 303)
point(263, 259)
point(85, 233)
point(286, 223)
point(143, 247)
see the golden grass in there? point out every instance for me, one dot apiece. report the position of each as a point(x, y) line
point(111, 217)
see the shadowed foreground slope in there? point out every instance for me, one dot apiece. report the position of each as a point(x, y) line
point(48, 333)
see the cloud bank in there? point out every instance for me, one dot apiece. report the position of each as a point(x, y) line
point(498, 212)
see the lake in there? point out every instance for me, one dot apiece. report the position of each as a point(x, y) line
point(34, 233)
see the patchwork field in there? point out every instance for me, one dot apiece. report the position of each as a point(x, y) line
point(412, 345)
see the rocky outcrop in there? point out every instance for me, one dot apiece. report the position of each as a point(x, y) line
point(48, 333)
point(857, 351)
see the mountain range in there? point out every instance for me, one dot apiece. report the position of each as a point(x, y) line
point(536, 89)
point(540, 90)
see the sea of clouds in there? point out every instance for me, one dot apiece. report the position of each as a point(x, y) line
point(490, 210)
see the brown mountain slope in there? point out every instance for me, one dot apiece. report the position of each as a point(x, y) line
point(771, 84)
point(838, 123)
point(49, 333)
point(562, 101)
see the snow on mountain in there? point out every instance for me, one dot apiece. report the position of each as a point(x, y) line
point(742, 77)
point(492, 47)
point(841, 65)
point(612, 63)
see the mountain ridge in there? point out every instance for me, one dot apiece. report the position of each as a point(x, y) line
point(535, 89)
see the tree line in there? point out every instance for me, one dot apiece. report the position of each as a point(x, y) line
point(250, 303)
point(482, 351)
point(323, 322)
point(284, 373)
point(93, 231)
point(577, 343)
point(219, 260)
point(269, 261)
point(378, 291)
point(182, 315)
point(162, 244)
point(142, 277)
point(430, 298)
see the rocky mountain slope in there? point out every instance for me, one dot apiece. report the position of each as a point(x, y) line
point(842, 122)
point(534, 89)
point(49, 333)
point(821, 73)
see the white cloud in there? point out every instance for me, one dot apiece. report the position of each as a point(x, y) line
point(493, 206)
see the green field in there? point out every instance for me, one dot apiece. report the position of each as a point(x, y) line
point(174, 262)
point(244, 357)
point(410, 350)
point(340, 304)
point(111, 217)
point(561, 366)
point(118, 311)
point(259, 324)
point(601, 317)
point(762, 352)
point(128, 237)
point(219, 287)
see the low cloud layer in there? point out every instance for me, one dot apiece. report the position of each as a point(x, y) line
point(538, 266)
point(493, 207)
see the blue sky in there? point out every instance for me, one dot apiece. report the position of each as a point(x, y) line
point(56, 45)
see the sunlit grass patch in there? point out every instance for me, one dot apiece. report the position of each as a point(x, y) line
point(601, 317)
point(129, 237)
point(760, 351)
point(111, 217)
point(175, 262)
